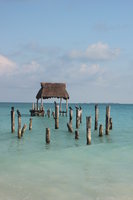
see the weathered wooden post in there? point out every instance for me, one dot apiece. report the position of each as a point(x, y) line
point(77, 117)
point(48, 113)
point(70, 128)
point(70, 115)
point(47, 135)
point(19, 124)
point(107, 119)
point(111, 123)
point(60, 105)
point(30, 124)
point(69, 125)
point(12, 120)
point(88, 130)
point(23, 130)
point(80, 114)
point(100, 130)
point(96, 117)
point(76, 135)
point(56, 116)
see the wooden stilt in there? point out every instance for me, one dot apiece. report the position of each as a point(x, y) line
point(60, 105)
point(37, 105)
point(96, 117)
point(19, 126)
point(77, 118)
point(23, 130)
point(88, 130)
point(100, 130)
point(12, 120)
point(76, 135)
point(30, 124)
point(107, 119)
point(69, 126)
point(56, 116)
point(70, 116)
point(48, 113)
point(47, 135)
point(80, 115)
point(111, 124)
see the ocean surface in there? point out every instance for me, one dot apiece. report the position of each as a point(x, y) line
point(66, 168)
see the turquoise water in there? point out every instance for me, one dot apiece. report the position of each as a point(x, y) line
point(66, 169)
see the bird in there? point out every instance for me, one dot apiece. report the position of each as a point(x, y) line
point(76, 107)
point(70, 108)
point(19, 114)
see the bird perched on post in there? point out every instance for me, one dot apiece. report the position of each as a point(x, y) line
point(19, 114)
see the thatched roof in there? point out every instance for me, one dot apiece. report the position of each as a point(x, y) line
point(52, 90)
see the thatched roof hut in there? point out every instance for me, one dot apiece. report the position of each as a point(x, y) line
point(52, 90)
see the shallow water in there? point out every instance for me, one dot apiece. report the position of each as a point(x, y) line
point(66, 169)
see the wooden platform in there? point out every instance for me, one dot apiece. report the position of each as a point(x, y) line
point(37, 113)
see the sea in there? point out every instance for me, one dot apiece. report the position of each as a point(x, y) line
point(66, 169)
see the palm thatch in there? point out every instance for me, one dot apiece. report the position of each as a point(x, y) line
point(52, 90)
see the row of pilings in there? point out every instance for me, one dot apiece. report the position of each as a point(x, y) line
point(55, 114)
point(20, 129)
point(108, 124)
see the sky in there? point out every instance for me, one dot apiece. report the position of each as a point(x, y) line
point(88, 44)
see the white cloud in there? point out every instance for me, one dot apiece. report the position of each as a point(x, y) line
point(89, 69)
point(31, 67)
point(96, 52)
point(7, 67)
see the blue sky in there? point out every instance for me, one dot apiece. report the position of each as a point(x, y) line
point(85, 43)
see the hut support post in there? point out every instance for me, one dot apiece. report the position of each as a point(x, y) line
point(56, 116)
point(37, 104)
point(12, 120)
point(41, 102)
point(60, 105)
point(88, 130)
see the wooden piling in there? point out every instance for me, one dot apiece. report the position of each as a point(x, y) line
point(80, 115)
point(96, 117)
point(111, 123)
point(100, 130)
point(12, 120)
point(77, 118)
point(47, 135)
point(19, 126)
point(70, 116)
point(30, 124)
point(70, 128)
point(88, 130)
point(76, 135)
point(107, 120)
point(48, 113)
point(56, 116)
point(23, 130)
